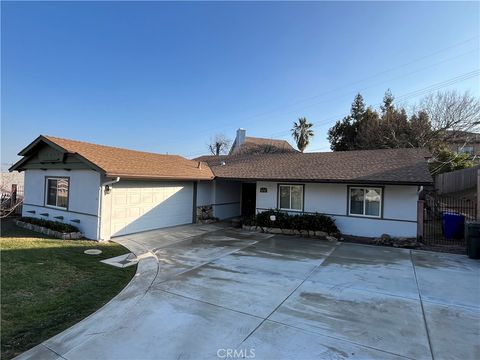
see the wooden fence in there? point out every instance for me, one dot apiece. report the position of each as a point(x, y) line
point(458, 180)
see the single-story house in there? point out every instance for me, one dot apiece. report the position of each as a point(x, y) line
point(107, 191)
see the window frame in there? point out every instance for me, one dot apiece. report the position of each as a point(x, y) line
point(45, 198)
point(364, 188)
point(302, 198)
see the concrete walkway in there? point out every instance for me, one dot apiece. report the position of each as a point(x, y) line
point(204, 291)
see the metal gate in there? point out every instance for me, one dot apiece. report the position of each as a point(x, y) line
point(436, 208)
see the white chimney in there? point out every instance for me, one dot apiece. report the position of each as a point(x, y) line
point(241, 133)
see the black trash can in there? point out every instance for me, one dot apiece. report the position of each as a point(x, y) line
point(472, 238)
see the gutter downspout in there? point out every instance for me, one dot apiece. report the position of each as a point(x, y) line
point(111, 182)
point(107, 183)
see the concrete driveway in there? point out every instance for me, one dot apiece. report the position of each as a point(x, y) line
point(203, 291)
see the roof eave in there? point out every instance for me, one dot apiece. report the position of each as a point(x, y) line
point(18, 164)
point(157, 177)
point(330, 181)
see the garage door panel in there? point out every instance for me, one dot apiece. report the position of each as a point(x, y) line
point(147, 198)
point(134, 212)
point(142, 206)
point(120, 199)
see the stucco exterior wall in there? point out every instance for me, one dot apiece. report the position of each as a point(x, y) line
point(226, 198)
point(399, 208)
point(83, 201)
point(204, 193)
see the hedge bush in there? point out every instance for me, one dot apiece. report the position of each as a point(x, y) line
point(52, 225)
point(301, 222)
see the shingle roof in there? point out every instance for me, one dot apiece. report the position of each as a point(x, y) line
point(263, 145)
point(127, 163)
point(396, 166)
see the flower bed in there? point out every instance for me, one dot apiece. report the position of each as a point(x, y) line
point(51, 228)
point(304, 224)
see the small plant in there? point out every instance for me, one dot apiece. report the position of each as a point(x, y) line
point(52, 225)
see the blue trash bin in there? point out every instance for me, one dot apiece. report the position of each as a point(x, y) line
point(453, 225)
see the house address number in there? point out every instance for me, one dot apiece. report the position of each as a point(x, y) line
point(263, 189)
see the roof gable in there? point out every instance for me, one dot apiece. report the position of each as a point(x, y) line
point(114, 161)
point(43, 153)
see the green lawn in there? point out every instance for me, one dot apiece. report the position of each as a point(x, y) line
point(48, 285)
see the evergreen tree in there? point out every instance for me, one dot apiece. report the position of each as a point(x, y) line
point(343, 135)
point(368, 131)
point(387, 105)
point(358, 108)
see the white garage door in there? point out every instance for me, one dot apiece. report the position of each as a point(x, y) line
point(140, 206)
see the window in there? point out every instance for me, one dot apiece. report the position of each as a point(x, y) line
point(57, 192)
point(290, 197)
point(466, 150)
point(365, 201)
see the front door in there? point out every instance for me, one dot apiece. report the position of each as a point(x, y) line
point(248, 199)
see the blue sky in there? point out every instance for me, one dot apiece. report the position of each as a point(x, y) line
point(166, 77)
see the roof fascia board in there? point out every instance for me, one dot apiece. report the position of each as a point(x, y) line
point(88, 162)
point(155, 177)
point(330, 181)
point(18, 164)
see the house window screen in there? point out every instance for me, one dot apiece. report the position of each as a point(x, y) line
point(365, 201)
point(57, 192)
point(291, 197)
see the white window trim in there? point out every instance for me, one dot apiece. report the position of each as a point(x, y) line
point(56, 199)
point(290, 186)
point(379, 216)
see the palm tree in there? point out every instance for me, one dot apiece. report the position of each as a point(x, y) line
point(302, 132)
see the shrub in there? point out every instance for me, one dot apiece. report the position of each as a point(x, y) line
point(52, 225)
point(263, 219)
point(301, 222)
point(249, 221)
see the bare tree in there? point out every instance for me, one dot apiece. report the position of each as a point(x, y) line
point(452, 114)
point(453, 117)
point(219, 144)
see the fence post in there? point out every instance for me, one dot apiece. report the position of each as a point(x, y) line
point(13, 196)
point(420, 214)
point(478, 196)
